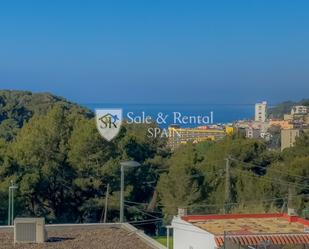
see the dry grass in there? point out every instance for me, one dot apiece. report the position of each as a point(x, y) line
point(251, 225)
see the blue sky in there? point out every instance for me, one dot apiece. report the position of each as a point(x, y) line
point(239, 51)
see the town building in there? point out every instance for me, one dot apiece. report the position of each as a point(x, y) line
point(178, 135)
point(288, 117)
point(283, 124)
point(263, 126)
point(241, 231)
point(261, 111)
point(299, 110)
point(306, 119)
point(288, 137)
point(253, 129)
point(253, 133)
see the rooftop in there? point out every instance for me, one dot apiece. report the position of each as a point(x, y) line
point(248, 223)
point(86, 236)
point(252, 229)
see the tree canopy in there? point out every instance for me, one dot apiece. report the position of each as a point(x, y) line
point(62, 167)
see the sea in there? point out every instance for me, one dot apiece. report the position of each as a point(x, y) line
point(220, 113)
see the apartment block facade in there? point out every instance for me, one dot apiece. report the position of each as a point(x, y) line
point(261, 111)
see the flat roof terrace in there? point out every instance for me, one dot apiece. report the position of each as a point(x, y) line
point(248, 223)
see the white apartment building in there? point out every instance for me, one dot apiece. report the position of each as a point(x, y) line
point(261, 111)
point(299, 109)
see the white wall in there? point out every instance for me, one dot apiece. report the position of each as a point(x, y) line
point(187, 236)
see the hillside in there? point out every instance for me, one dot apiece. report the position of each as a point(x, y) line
point(285, 107)
point(17, 107)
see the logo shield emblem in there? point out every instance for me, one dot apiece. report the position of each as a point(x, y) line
point(108, 122)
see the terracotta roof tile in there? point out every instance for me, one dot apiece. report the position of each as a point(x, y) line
point(277, 239)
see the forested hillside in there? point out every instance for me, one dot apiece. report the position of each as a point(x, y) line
point(62, 167)
point(17, 107)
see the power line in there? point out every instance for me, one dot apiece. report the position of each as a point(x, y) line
point(270, 169)
point(141, 211)
point(147, 223)
point(140, 204)
point(143, 221)
point(212, 161)
point(266, 177)
point(274, 180)
point(231, 203)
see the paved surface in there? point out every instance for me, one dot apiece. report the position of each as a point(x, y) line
point(80, 238)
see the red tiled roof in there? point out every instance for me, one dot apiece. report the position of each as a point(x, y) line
point(276, 239)
point(190, 218)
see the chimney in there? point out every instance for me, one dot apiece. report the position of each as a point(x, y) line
point(292, 215)
point(182, 212)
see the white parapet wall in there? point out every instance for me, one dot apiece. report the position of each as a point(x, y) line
point(187, 236)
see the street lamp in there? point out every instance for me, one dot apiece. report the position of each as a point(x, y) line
point(123, 165)
point(12, 187)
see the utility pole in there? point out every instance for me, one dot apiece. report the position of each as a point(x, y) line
point(283, 206)
point(228, 197)
point(12, 187)
point(106, 202)
point(286, 200)
point(290, 197)
point(9, 208)
point(121, 193)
